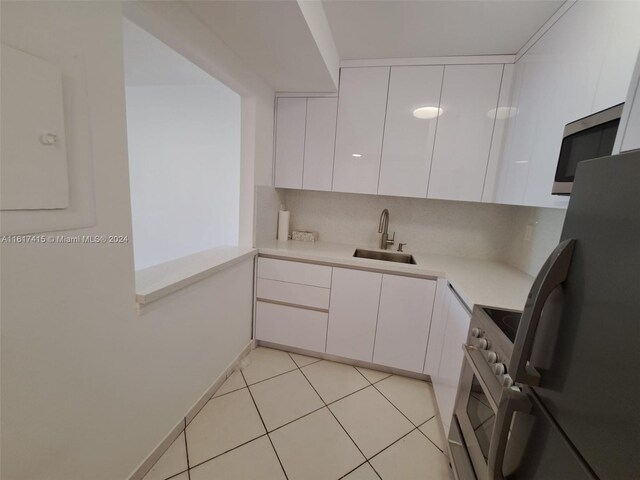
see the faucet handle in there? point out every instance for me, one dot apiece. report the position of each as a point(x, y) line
point(392, 240)
point(400, 245)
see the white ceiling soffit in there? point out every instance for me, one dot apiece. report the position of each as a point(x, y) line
point(148, 61)
point(276, 39)
point(434, 28)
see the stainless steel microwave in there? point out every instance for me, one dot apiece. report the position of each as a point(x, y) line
point(587, 138)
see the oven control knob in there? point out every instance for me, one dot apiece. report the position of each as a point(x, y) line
point(476, 332)
point(492, 357)
point(507, 381)
point(483, 343)
point(499, 369)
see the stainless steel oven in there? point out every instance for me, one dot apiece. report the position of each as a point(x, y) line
point(483, 378)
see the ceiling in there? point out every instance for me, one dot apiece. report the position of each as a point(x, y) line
point(272, 37)
point(296, 45)
point(148, 61)
point(400, 28)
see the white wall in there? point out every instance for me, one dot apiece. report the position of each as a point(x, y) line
point(89, 387)
point(184, 163)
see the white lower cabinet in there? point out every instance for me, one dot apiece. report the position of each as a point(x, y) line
point(360, 315)
point(404, 318)
point(291, 326)
point(353, 312)
point(451, 335)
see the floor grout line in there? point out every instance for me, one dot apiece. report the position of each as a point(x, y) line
point(325, 405)
point(339, 423)
point(265, 425)
point(269, 378)
point(226, 451)
point(427, 436)
point(412, 423)
point(186, 446)
point(333, 415)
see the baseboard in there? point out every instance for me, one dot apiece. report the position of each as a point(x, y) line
point(175, 432)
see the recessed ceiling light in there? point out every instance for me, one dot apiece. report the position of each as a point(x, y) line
point(501, 113)
point(357, 155)
point(424, 113)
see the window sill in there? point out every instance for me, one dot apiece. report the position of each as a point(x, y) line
point(160, 280)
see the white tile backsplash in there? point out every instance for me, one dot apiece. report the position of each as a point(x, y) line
point(467, 229)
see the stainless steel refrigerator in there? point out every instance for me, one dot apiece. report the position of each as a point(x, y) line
point(578, 358)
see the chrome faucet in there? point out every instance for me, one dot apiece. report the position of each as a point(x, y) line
point(382, 228)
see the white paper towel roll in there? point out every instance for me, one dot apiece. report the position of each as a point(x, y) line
point(283, 225)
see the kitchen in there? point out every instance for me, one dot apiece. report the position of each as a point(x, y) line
point(403, 204)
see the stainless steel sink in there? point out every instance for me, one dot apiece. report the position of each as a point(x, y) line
point(385, 256)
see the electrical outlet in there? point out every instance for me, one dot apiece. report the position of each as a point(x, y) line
point(528, 232)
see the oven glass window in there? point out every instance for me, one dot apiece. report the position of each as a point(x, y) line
point(481, 416)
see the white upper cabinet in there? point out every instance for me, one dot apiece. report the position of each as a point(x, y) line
point(463, 138)
point(404, 318)
point(290, 132)
point(581, 65)
point(409, 133)
point(319, 143)
point(361, 111)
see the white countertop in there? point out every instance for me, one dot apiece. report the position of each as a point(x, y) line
point(478, 282)
point(160, 280)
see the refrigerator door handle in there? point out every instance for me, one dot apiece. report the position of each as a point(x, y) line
point(552, 274)
point(512, 401)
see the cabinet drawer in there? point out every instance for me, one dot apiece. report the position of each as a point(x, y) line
point(317, 297)
point(294, 272)
point(295, 327)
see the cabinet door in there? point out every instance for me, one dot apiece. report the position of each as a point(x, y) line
point(319, 143)
point(445, 382)
point(438, 327)
point(290, 131)
point(361, 110)
point(404, 318)
point(408, 138)
point(353, 312)
point(463, 138)
point(291, 326)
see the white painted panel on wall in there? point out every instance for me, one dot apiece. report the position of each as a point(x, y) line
point(409, 133)
point(353, 312)
point(34, 154)
point(361, 111)
point(319, 143)
point(463, 138)
point(290, 131)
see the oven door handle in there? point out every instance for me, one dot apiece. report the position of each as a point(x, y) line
point(470, 352)
point(511, 401)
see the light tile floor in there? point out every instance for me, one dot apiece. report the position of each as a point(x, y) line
point(292, 417)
